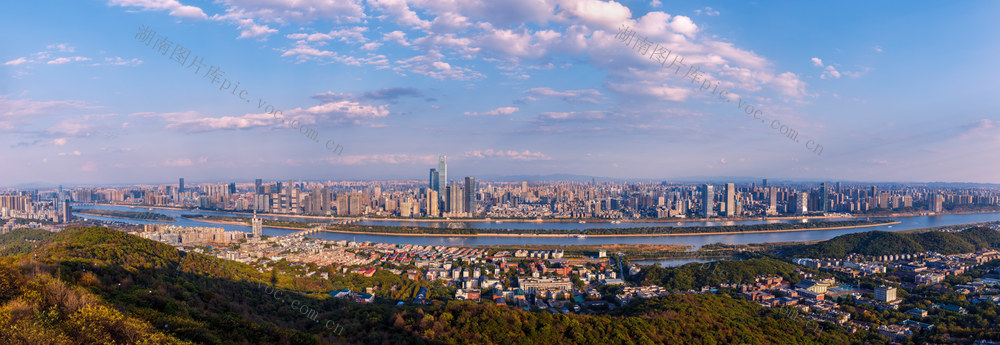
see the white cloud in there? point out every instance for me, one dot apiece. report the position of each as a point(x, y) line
point(349, 35)
point(494, 112)
point(383, 159)
point(708, 11)
point(525, 155)
point(396, 36)
point(575, 115)
point(179, 162)
point(572, 96)
point(431, 65)
point(302, 11)
point(789, 84)
point(601, 14)
point(173, 7)
point(401, 12)
point(26, 107)
point(16, 62)
point(118, 61)
point(246, 24)
point(62, 60)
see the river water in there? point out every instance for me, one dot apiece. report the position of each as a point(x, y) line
point(907, 223)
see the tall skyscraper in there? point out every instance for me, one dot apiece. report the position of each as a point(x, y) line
point(432, 203)
point(772, 200)
point(180, 187)
point(257, 225)
point(801, 203)
point(824, 197)
point(470, 195)
point(442, 175)
point(67, 212)
point(935, 203)
point(455, 196)
point(765, 184)
point(258, 186)
point(707, 200)
point(730, 200)
point(432, 180)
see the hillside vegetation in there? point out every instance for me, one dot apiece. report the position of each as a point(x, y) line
point(102, 286)
point(884, 243)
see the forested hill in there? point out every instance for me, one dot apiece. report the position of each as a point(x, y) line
point(97, 285)
point(886, 243)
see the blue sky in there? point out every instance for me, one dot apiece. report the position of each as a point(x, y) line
point(892, 92)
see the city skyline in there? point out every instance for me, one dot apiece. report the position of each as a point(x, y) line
point(532, 88)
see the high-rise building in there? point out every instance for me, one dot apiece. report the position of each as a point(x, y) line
point(257, 225)
point(772, 200)
point(824, 197)
point(801, 203)
point(442, 175)
point(707, 200)
point(343, 205)
point(935, 203)
point(432, 180)
point(885, 293)
point(258, 186)
point(67, 212)
point(455, 196)
point(470, 195)
point(21, 203)
point(730, 200)
point(432, 203)
point(180, 187)
point(764, 184)
point(883, 200)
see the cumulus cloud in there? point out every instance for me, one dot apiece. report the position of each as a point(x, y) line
point(348, 35)
point(397, 36)
point(575, 115)
point(383, 159)
point(173, 7)
point(16, 62)
point(494, 112)
point(26, 107)
point(62, 60)
point(526, 155)
point(708, 11)
point(571, 96)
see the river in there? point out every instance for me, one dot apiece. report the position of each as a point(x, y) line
point(906, 223)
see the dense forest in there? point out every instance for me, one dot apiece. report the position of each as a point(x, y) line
point(696, 275)
point(97, 285)
point(883, 243)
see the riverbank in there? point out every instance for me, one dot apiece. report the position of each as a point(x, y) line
point(561, 220)
point(539, 235)
point(145, 216)
point(227, 222)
